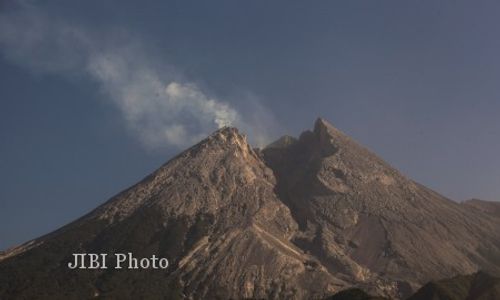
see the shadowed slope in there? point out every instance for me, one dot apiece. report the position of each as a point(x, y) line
point(478, 286)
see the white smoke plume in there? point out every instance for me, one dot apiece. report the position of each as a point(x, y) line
point(158, 106)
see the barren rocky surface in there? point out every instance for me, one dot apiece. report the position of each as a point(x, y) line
point(489, 207)
point(301, 219)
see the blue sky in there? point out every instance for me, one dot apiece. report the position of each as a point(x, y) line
point(96, 94)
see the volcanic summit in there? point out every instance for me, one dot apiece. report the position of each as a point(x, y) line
point(302, 218)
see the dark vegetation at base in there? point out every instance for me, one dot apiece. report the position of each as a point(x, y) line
point(354, 294)
point(478, 286)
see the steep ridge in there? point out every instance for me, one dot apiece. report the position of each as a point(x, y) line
point(300, 219)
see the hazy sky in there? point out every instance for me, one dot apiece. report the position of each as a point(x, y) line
point(96, 94)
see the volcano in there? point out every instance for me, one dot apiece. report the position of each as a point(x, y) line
point(303, 218)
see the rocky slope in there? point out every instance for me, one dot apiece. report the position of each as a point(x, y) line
point(301, 219)
point(488, 207)
point(369, 224)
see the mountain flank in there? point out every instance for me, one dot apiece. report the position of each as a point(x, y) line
point(303, 218)
point(489, 207)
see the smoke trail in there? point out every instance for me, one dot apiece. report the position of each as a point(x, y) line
point(157, 106)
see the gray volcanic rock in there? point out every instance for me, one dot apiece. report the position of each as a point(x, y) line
point(300, 219)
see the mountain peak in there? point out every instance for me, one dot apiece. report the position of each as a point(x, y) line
point(321, 125)
point(321, 122)
point(227, 133)
point(302, 219)
point(224, 137)
point(323, 129)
